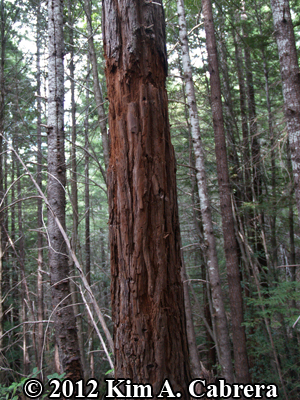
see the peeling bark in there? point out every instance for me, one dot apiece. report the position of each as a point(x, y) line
point(147, 292)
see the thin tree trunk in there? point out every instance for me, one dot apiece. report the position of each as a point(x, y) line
point(73, 255)
point(64, 319)
point(255, 269)
point(194, 355)
point(87, 216)
point(210, 340)
point(26, 359)
point(74, 189)
point(40, 293)
point(244, 120)
point(255, 229)
point(102, 117)
point(290, 76)
point(2, 102)
point(291, 211)
point(147, 292)
point(231, 127)
point(255, 147)
point(230, 243)
point(21, 261)
point(1, 305)
point(273, 164)
point(224, 350)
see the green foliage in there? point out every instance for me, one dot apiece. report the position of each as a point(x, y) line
point(13, 391)
point(280, 295)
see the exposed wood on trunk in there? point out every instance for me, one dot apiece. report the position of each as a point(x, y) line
point(230, 243)
point(64, 319)
point(147, 293)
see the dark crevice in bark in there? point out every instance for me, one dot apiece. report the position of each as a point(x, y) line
point(147, 293)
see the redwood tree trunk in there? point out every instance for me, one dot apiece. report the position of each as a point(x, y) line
point(230, 243)
point(147, 293)
point(290, 76)
point(64, 319)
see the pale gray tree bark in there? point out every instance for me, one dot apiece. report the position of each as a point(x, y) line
point(220, 321)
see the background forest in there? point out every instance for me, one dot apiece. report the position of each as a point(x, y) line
point(263, 194)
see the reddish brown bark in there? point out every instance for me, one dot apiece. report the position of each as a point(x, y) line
point(230, 244)
point(147, 293)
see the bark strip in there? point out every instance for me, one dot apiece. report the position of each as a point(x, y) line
point(147, 293)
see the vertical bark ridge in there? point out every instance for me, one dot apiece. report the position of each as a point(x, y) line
point(147, 293)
